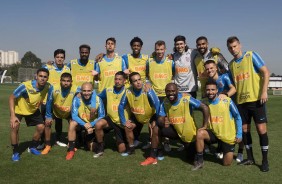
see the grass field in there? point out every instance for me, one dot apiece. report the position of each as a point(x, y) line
point(113, 168)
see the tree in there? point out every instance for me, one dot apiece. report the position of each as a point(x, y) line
point(272, 75)
point(13, 71)
point(30, 60)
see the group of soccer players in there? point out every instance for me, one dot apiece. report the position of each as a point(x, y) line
point(158, 91)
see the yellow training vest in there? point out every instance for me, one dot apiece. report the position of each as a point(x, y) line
point(179, 116)
point(54, 75)
point(113, 101)
point(62, 105)
point(221, 125)
point(81, 74)
point(160, 75)
point(29, 106)
point(247, 82)
point(108, 71)
point(140, 106)
point(138, 65)
point(84, 111)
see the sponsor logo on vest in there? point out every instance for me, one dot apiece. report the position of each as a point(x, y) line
point(202, 75)
point(137, 110)
point(82, 78)
point(244, 96)
point(115, 107)
point(160, 75)
point(85, 116)
point(177, 120)
point(62, 108)
point(139, 68)
point(110, 73)
point(242, 77)
point(217, 119)
point(182, 70)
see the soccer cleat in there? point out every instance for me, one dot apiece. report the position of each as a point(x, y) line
point(61, 144)
point(97, 155)
point(136, 143)
point(147, 146)
point(264, 167)
point(125, 154)
point(160, 154)
point(46, 150)
point(181, 148)
point(167, 147)
point(240, 157)
point(34, 151)
point(70, 155)
point(247, 162)
point(131, 151)
point(40, 146)
point(16, 157)
point(197, 166)
point(149, 161)
point(160, 157)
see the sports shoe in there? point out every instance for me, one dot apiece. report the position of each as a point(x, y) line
point(16, 157)
point(46, 150)
point(34, 151)
point(149, 160)
point(125, 154)
point(247, 162)
point(70, 155)
point(160, 154)
point(131, 151)
point(239, 157)
point(197, 166)
point(181, 148)
point(136, 143)
point(40, 146)
point(61, 144)
point(97, 155)
point(167, 147)
point(264, 167)
point(147, 146)
point(219, 155)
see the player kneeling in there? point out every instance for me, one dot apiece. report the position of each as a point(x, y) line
point(222, 130)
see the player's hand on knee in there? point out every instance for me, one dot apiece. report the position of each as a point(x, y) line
point(48, 122)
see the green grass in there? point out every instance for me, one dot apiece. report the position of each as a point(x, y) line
point(113, 168)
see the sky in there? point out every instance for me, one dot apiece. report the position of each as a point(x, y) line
point(44, 26)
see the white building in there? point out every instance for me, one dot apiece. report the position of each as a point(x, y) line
point(8, 58)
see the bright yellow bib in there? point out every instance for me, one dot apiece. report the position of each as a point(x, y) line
point(247, 81)
point(62, 105)
point(84, 111)
point(113, 101)
point(108, 71)
point(54, 75)
point(138, 65)
point(140, 106)
point(179, 116)
point(29, 106)
point(160, 75)
point(221, 125)
point(81, 74)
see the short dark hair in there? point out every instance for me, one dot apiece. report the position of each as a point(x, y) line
point(136, 39)
point(201, 38)
point(66, 75)
point(121, 73)
point(111, 39)
point(159, 43)
point(42, 70)
point(180, 38)
point(211, 82)
point(132, 74)
point(209, 62)
point(60, 51)
point(84, 46)
point(232, 39)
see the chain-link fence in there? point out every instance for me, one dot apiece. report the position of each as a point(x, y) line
point(25, 74)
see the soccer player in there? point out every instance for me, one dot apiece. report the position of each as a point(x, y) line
point(81, 118)
point(58, 106)
point(222, 129)
point(143, 106)
point(55, 70)
point(109, 66)
point(112, 96)
point(82, 69)
point(185, 73)
point(203, 55)
point(24, 103)
point(251, 78)
point(179, 123)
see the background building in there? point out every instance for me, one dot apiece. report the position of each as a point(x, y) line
point(8, 58)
